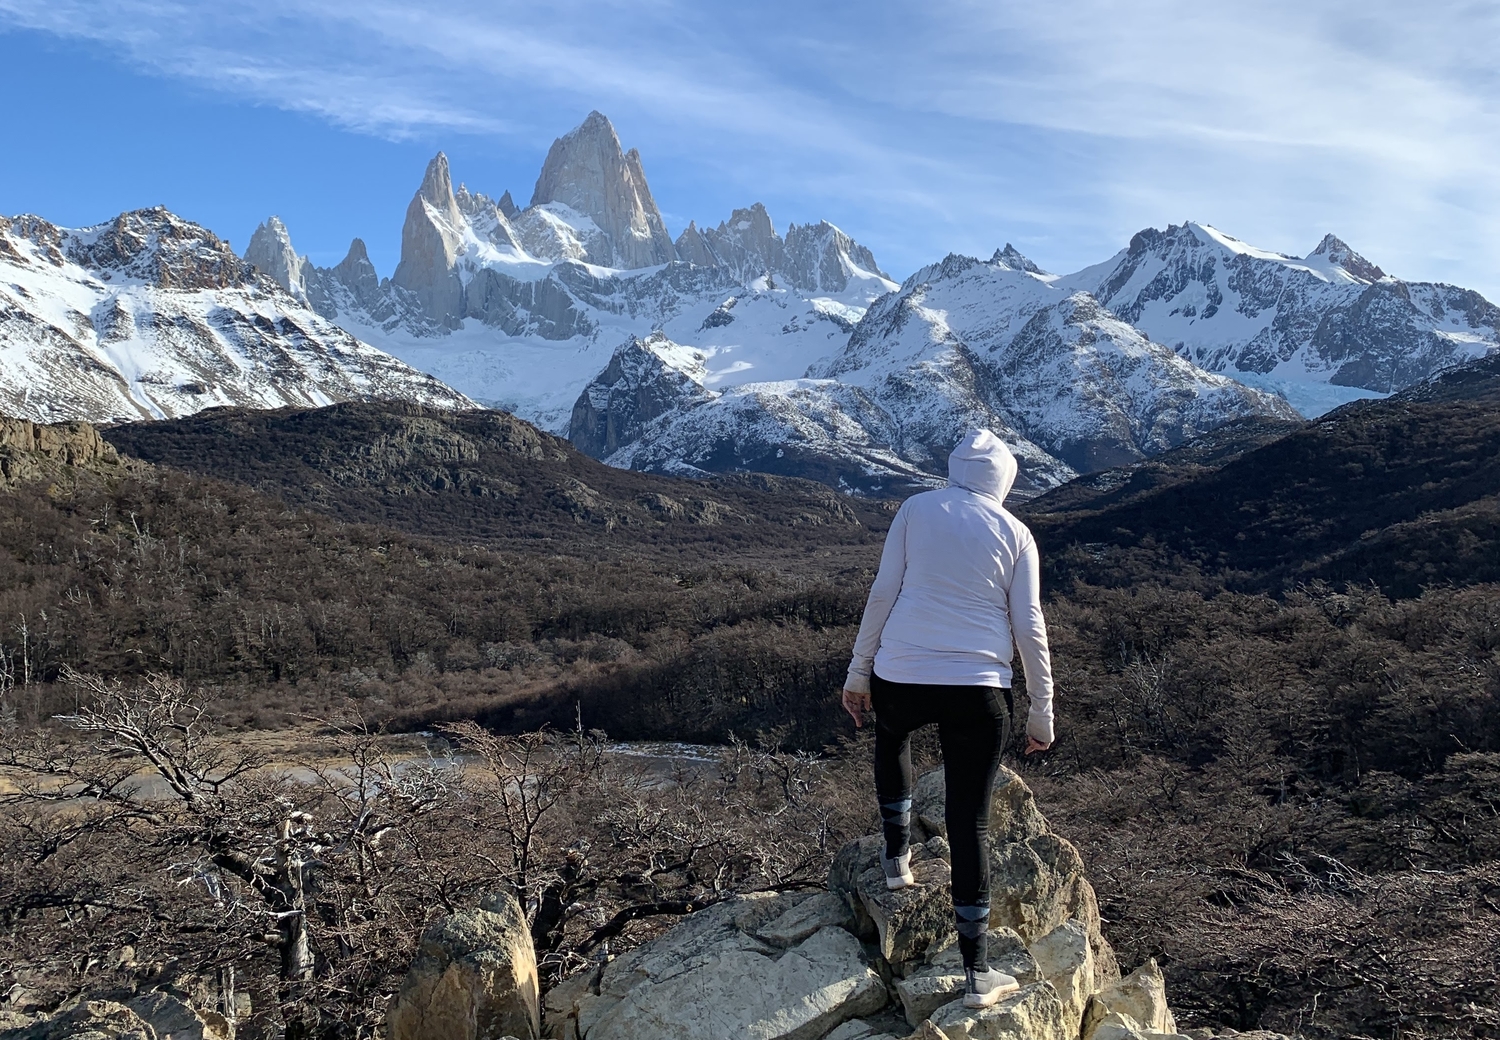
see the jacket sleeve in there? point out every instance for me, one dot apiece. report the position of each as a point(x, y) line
point(1030, 631)
point(878, 607)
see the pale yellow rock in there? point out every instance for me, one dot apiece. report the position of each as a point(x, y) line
point(1064, 958)
point(1137, 1002)
point(474, 978)
point(1035, 1013)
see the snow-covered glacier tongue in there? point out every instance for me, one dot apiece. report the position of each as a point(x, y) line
point(151, 316)
point(1320, 329)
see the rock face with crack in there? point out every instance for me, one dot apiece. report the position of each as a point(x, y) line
point(860, 962)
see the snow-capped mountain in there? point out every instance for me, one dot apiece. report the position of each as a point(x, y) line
point(962, 343)
point(521, 309)
point(737, 347)
point(1322, 329)
point(150, 316)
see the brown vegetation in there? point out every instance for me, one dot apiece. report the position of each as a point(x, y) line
point(1289, 794)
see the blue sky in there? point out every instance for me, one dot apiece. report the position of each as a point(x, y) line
point(1063, 127)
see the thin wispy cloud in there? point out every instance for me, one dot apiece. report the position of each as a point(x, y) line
point(930, 126)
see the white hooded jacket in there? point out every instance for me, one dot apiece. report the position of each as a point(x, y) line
point(959, 577)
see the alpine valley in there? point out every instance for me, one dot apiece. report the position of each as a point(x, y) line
point(728, 348)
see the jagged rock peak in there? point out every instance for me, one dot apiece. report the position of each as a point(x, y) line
point(437, 182)
point(270, 249)
point(693, 248)
point(508, 205)
point(431, 239)
point(587, 171)
point(1339, 253)
point(1013, 258)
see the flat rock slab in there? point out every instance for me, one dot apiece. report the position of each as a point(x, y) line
point(801, 995)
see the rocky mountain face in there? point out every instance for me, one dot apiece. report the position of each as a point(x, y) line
point(962, 343)
point(517, 307)
point(587, 172)
point(149, 316)
point(1307, 326)
point(737, 347)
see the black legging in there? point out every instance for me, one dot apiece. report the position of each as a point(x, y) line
point(973, 728)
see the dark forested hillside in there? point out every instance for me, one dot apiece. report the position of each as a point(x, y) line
point(486, 476)
point(1401, 493)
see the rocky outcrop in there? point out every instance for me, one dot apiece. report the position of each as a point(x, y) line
point(860, 962)
point(86, 1020)
point(644, 379)
point(587, 171)
point(812, 258)
point(431, 239)
point(151, 1016)
point(29, 450)
point(270, 249)
point(1134, 1006)
point(474, 978)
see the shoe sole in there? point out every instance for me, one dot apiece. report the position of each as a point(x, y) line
point(905, 881)
point(984, 1000)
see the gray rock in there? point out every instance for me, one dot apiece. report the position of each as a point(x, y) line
point(431, 240)
point(474, 978)
point(909, 920)
point(173, 1017)
point(271, 250)
point(586, 170)
point(736, 990)
point(821, 910)
point(1037, 879)
point(940, 979)
point(88, 1020)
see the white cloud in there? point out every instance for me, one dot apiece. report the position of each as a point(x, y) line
point(1064, 125)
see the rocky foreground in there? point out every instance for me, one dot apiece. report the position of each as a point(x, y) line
point(854, 962)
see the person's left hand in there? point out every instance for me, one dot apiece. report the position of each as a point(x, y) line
point(856, 704)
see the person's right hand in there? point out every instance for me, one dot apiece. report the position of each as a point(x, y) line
point(856, 704)
point(1033, 745)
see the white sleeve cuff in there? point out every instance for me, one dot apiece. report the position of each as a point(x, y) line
point(857, 682)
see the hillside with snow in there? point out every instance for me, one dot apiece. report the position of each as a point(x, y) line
point(1321, 329)
point(149, 316)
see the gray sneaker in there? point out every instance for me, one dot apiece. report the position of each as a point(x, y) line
point(898, 871)
point(983, 988)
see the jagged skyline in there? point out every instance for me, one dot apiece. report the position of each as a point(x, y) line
point(983, 125)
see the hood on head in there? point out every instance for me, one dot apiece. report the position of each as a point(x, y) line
point(982, 464)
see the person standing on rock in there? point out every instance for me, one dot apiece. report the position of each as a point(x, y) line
point(958, 591)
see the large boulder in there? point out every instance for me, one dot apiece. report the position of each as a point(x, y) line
point(861, 962)
point(474, 978)
point(1037, 880)
point(1065, 958)
point(171, 1016)
point(768, 967)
